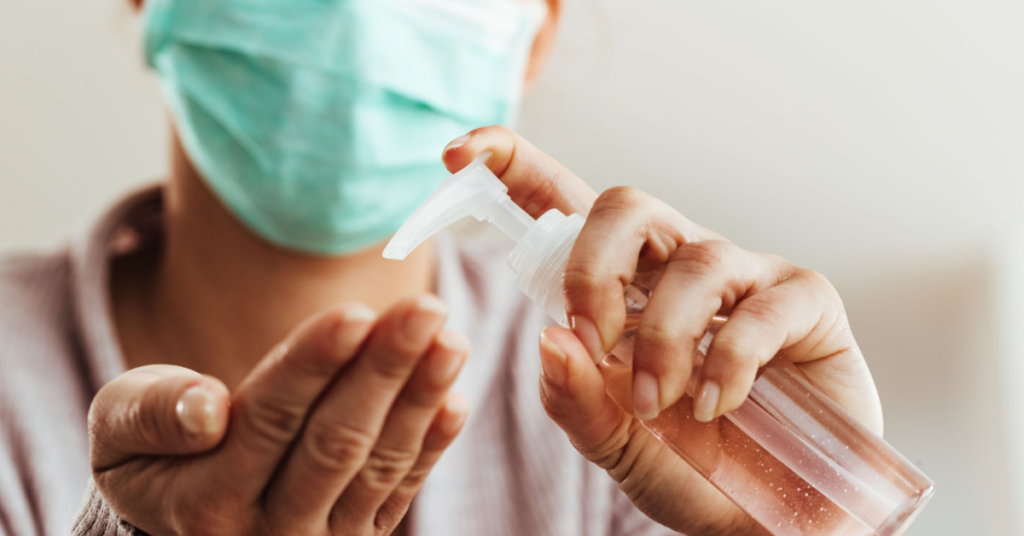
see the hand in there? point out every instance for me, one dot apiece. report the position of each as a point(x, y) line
point(774, 308)
point(332, 433)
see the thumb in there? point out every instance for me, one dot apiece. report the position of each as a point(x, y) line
point(573, 391)
point(153, 410)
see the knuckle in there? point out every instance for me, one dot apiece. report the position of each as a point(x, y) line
point(390, 514)
point(338, 446)
point(702, 257)
point(321, 361)
point(656, 335)
point(545, 189)
point(421, 396)
point(581, 279)
point(620, 198)
point(731, 353)
point(627, 466)
point(318, 357)
point(817, 280)
point(386, 467)
point(612, 454)
point(394, 365)
point(775, 259)
point(762, 311)
point(144, 421)
point(270, 422)
point(415, 478)
point(783, 269)
point(552, 405)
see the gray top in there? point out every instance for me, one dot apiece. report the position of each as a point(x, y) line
point(510, 472)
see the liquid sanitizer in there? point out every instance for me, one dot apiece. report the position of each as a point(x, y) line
point(790, 457)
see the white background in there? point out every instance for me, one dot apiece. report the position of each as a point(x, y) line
point(879, 142)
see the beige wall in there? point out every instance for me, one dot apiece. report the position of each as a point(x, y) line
point(879, 142)
point(79, 118)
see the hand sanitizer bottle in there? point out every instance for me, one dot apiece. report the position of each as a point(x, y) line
point(790, 457)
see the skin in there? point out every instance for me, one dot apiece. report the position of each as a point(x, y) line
point(334, 373)
point(334, 424)
point(774, 308)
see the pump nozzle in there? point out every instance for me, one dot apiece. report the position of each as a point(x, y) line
point(542, 246)
point(474, 191)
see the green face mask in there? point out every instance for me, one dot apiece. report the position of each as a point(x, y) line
point(320, 122)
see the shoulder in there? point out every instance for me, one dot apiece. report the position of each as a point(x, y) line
point(35, 299)
point(39, 349)
point(44, 395)
point(32, 271)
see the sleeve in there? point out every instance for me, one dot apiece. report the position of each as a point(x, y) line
point(628, 520)
point(95, 518)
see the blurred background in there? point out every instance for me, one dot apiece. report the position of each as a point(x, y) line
point(878, 142)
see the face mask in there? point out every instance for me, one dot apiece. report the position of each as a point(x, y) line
point(319, 123)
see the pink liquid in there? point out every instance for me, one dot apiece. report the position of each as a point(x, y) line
point(790, 457)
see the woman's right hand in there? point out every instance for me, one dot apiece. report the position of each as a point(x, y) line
point(333, 432)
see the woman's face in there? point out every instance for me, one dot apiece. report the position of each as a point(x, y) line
point(320, 127)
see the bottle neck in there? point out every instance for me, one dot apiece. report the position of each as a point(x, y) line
point(510, 218)
point(539, 258)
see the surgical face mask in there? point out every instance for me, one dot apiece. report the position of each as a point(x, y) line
point(319, 123)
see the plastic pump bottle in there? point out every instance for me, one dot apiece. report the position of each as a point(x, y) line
point(790, 457)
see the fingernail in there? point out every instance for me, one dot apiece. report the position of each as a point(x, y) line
point(457, 409)
point(707, 401)
point(197, 410)
point(587, 333)
point(358, 312)
point(456, 143)
point(645, 395)
point(443, 372)
point(425, 319)
point(345, 338)
point(552, 361)
point(432, 303)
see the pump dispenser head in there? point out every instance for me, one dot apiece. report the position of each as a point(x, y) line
point(474, 191)
point(542, 246)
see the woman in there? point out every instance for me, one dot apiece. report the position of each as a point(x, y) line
point(251, 365)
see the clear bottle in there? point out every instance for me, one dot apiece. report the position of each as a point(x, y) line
point(790, 457)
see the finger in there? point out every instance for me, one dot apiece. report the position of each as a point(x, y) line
point(272, 402)
point(803, 319)
point(398, 448)
point(614, 442)
point(845, 378)
point(701, 280)
point(625, 227)
point(156, 409)
point(536, 182)
point(573, 392)
point(347, 421)
point(757, 329)
point(443, 430)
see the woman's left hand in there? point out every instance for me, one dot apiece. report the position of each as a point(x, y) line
point(774, 308)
